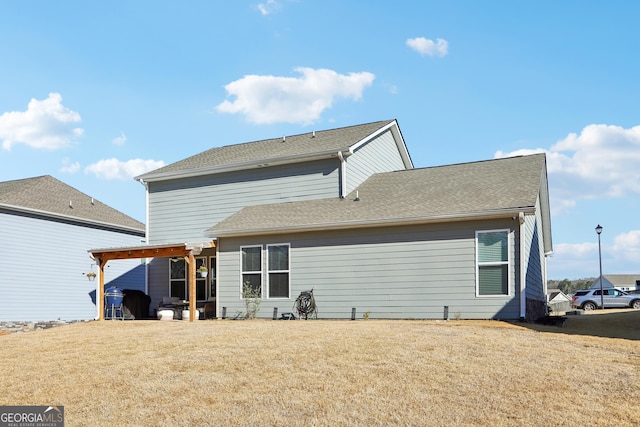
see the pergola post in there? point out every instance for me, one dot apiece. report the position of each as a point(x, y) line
point(100, 294)
point(192, 287)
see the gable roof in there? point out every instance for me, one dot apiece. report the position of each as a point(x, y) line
point(556, 295)
point(269, 152)
point(45, 195)
point(492, 188)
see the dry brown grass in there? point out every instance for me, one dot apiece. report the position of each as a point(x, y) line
point(320, 373)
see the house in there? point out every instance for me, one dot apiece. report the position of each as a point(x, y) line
point(558, 301)
point(45, 228)
point(624, 282)
point(345, 213)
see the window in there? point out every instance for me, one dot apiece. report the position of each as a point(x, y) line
point(177, 278)
point(492, 251)
point(252, 268)
point(201, 282)
point(278, 271)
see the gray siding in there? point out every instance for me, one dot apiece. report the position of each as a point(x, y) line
point(396, 272)
point(378, 155)
point(42, 264)
point(181, 210)
point(535, 256)
point(158, 288)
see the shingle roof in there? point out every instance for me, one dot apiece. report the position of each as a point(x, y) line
point(453, 191)
point(47, 195)
point(622, 279)
point(269, 149)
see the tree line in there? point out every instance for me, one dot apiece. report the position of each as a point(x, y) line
point(570, 286)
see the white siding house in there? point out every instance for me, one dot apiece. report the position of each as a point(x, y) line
point(624, 282)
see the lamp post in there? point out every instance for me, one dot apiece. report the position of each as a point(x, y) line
point(599, 230)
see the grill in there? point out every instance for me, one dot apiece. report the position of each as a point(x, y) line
point(113, 299)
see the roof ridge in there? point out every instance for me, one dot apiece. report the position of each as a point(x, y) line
point(305, 145)
point(317, 131)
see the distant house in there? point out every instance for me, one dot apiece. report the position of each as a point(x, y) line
point(558, 301)
point(624, 282)
point(46, 227)
point(345, 213)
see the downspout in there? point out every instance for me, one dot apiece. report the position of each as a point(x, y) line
point(146, 235)
point(343, 175)
point(523, 276)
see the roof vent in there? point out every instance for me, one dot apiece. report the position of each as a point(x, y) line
point(313, 135)
point(70, 204)
point(92, 201)
point(357, 199)
point(284, 138)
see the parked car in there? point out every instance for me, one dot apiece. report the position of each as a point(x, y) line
point(590, 299)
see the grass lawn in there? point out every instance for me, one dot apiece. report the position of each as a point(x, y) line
point(331, 373)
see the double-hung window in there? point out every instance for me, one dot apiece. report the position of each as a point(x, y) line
point(492, 273)
point(251, 270)
point(278, 270)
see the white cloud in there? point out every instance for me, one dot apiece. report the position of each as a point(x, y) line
point(46, 124)
point(627, 246)
point(110, 169)
point(120, 140)
point(576, 250)
point(69, 167)
point(621, 257)
point(271, 99)
point(269, 7)
point(602, 161)
point(569, 258)
point(428, 47)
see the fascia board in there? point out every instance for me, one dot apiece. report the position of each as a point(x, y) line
point(397, 137)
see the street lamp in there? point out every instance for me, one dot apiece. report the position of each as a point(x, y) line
point(599, 230)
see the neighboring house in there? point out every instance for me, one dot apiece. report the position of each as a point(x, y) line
point(46, 227)
point(624, 282)
point(558, 301)
point(344, 212)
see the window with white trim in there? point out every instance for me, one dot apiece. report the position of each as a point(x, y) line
point(278, 271)
point(492, 263)
point(251, 269)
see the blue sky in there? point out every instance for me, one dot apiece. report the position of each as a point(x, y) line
point(95, 93)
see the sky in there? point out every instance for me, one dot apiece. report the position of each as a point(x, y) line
point(95, 93)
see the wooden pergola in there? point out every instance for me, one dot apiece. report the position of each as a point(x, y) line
point(176, 250)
